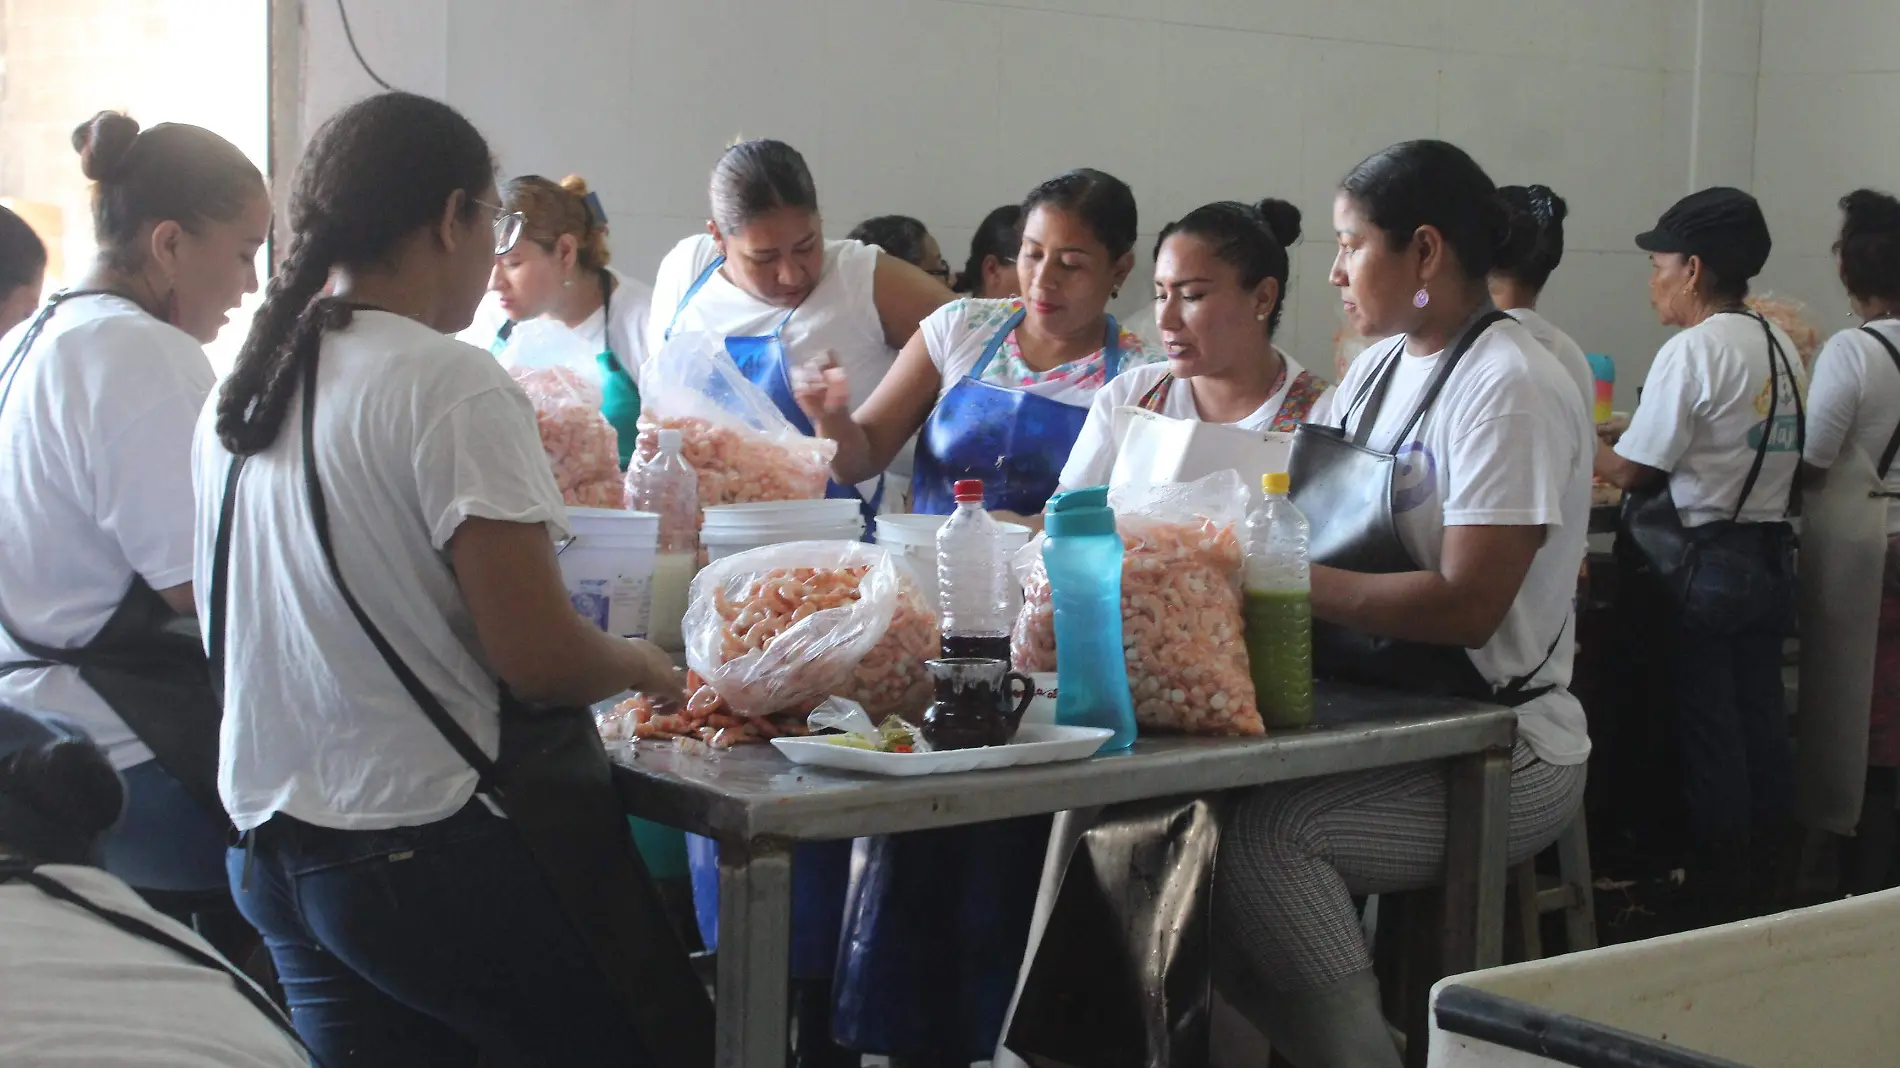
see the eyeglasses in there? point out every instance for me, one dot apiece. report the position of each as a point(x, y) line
point(941, 271)
point(508, 227)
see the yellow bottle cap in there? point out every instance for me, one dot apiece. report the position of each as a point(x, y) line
point(1276, 482)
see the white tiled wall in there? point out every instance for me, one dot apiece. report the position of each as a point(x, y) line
point(1829, 94)
point(944, 108)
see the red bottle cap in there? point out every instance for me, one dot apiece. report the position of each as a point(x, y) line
point(968, 489)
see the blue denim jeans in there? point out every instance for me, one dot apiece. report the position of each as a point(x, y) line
point(1738, 757)
point(166, 840)
point(424, 946)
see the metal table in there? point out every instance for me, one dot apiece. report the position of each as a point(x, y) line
point(756, 804)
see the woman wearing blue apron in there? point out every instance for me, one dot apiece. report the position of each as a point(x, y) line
point(764, 278)
point(556, 268)
point(937, 921)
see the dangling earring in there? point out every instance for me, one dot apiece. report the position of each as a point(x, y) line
point(1421, 298)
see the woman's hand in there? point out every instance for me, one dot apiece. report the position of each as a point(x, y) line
point(654, 672)
point(822, 389)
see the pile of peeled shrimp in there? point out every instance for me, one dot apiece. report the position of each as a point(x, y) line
point(735, 467)
point(890, 678)
point(581, 444)
point(1181, 628)
point(703, 717)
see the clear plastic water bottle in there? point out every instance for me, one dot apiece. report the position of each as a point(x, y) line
point(973, 579)
point(1279, 608)
point(664, 483)
point(1083, 555)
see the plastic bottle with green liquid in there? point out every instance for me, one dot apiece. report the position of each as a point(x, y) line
point(1279, 608)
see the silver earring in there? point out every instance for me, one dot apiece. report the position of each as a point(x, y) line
point(1260, 318)
point(567, 283)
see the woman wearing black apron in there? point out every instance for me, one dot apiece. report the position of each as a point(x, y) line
point(1709, 462)
point(98, 396)
point(1482, 452)
point(556, 268)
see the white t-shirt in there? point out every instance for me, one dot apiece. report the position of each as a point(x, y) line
point(1092, 460)
point(416, 432)
point(1570, 355)
point(96, 484)
point(1506, 444)
point(74, 990)
point(1703, 410)
point(626, 336)
point(1856, 398)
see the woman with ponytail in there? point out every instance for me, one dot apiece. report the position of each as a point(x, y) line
point(99, 391)
point(376, 479)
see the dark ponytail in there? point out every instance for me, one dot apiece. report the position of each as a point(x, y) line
point(58, 792)
point(1437, 184)
point(1252, 238)
point(375, 173)
point(1536, 216)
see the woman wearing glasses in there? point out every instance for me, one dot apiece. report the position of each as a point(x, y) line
point(763, 277)
point(551, 261)
point(906, 238)
point(990, 272)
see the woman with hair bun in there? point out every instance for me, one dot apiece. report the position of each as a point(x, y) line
point(1537, 211)
point(1854, 410)
point(556, 267)
point(1220, 285)
point(1489, 455)
point(98, 395)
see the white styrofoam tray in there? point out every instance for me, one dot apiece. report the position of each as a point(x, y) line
point(1035, 743)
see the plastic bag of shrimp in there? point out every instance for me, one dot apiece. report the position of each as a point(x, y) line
point(741, 445)
point(771, 632)
point(1182, 564)
point(581, 444)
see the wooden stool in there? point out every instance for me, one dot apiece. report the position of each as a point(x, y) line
point(1570, 891)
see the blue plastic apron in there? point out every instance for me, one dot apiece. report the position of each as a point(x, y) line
point(762, 360)
point(1015, 441)
point(820, 870)
point(937, 921)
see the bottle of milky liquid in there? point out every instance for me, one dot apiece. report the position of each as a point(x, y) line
point(1279, 609)
point(667, 485)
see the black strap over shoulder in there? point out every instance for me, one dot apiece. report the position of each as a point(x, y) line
point(1777, 359)
point(1893, 443)
point(1372, 393)
point(27, 872)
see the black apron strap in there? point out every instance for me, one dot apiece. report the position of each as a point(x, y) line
point(1777, 359)
point(1893, 443)
point(221, 577)
point(1362, 431)
point(27, 872)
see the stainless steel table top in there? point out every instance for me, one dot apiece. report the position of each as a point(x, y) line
point(752, 791)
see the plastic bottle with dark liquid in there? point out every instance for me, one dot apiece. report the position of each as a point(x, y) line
point(973, 574)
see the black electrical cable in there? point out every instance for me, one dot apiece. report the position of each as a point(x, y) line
point(344, 14)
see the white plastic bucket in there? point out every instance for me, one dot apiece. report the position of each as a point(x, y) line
point(734, 528)
point(912, 538)
point(608, 566)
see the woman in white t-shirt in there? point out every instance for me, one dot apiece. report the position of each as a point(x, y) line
point(1000, 388)
point(90, 974)
point(1855, 403)
point(1719, 430)
point(22, 270)
point(557, 268)
point(1220, 284)
point(409, 921)
point(1519, 287)
point(763, 277)
point(98, 396)
point(1491, 502)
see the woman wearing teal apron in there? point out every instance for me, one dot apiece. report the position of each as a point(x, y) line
point(764, 278)
point(937, 921)
point(557, 269)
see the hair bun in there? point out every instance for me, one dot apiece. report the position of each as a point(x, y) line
point(1867, 209)
point(1547, 207)
point(1282, 218)
point(70, 782)
point(102, 142)
point(575, 184)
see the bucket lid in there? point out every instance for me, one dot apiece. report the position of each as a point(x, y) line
point(822, 510)
point(614, 518)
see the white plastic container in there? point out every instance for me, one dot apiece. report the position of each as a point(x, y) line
point(608, 567)
point(912, 538)
point(1805, 988)
point(734, 528)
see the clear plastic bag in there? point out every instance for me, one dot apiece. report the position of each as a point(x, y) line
point(775, 630)
point(580, 442)
point(733, 435)
point(539, 344)
point(1182, 628)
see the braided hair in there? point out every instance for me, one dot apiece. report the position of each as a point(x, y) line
point(375, 173)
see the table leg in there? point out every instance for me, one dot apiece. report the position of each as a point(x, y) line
point(755, 937)
point(1476, 844)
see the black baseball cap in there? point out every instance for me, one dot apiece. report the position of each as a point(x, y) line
point(1724, 226)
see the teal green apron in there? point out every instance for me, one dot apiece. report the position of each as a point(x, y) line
point(619, 394)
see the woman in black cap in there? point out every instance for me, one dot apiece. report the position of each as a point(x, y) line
point(1709, 461)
